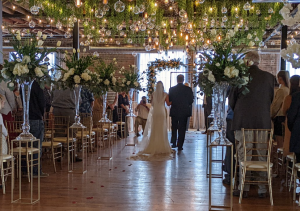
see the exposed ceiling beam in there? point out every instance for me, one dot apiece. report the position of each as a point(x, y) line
point(7, 10)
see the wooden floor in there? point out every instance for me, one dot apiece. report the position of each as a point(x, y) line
point(120, 184)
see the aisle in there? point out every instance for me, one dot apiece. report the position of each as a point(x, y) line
point(125, 185)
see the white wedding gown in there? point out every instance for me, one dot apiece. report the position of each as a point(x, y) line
point(155, 144)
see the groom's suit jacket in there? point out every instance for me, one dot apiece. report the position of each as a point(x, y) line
point(182, 98)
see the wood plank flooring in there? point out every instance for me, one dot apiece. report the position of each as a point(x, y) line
point(121, 184)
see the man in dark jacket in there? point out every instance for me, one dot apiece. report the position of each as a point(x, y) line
point(252, 111)
point(181, 98)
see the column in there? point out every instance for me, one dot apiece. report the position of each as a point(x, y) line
point(283, 45)
point(76, 38)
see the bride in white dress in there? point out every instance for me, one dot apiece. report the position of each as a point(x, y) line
point(155, 141)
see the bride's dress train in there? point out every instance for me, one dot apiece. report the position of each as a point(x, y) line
point(155, 144)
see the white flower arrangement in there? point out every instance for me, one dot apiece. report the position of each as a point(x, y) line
point(292, 54)
point(288, 19)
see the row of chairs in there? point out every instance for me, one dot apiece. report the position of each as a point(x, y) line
point(58, 136)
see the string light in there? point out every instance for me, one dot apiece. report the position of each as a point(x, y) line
point(166, 1)
point(146, 15)
point(155, 4)
point(13, 7)
point(105, 1)
point(187, 37)
point(149, 39)
point(78, 3)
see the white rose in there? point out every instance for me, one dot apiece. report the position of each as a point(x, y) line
point(128, 83)
point(122, 85)
point(74, 50)
point(213, 32)
point(18, 32)
point(251, 63)
point(18, 37)
point(39, 34)
point(218, 64)
point(211, 77)
point(136, 84)
point(234, 72)
point(77, 79)
point(114, 80)
point(84, 50)
point(78, 50)
point(251, 44)
point(114, 59)
point(58, 43)
point(86, 76)
point(26, 59)
point(249, 36)
point(241, 61)
point(66, 76)
point(44, 36)
point(106, 82)
point(71, 71)
point(236, 28)
point(40, 42)
point(227, 72)
point(123, 68)
point(38, 72)
point(11, 84)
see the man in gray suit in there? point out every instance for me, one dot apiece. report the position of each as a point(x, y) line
point(252, 111)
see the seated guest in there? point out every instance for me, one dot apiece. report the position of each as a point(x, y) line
point(294, 87)
point(123, 102)
point(143, 109)
point(87, 101)
point(276, 108)
point(112, 102)
point(293, 121)
point(64, 105)
point(252, 111)
point(4, 131)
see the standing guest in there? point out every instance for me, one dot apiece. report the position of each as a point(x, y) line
point(252, 111)
point(4, 131)
point(47, 96)
point(207, 105)
point(64, 105)
point(181, 98)
point(10, 106)
point(143, 109)
point(293, 120)
point(123, 102)
point(276, 108)
point(112, 104)
point(36, 113)
point(294, 87)
point(87, 101)
point(191, 109)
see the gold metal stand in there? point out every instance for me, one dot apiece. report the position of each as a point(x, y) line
point(213, 207)
point(210, 132)
point(19, 150)
point(101, 127)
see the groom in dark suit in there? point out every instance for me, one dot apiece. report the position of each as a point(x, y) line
point(182, 98)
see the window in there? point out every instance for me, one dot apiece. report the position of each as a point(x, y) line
point(168, 77)
point(292, 70)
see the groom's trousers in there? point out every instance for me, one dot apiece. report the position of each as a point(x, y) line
point(178, 124)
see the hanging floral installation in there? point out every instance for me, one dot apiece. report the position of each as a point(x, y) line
point(156, 24)
point(157, 66)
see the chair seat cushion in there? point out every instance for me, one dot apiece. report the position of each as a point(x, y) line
point(120, 123)
point(23, 150)
point(290, 157)
point(4, 158)
point(256, 164)
point(48, 144)
point(280, 149)
point(297, 166)
point(100, 130)
point(63, 139)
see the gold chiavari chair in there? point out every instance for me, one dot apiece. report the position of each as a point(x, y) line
point(88, 132)
point(26, 151)
point(120, 123)
point(6, 162)
point(54, 148)
point(104, 133)
point(263, 149)
point(62, 134)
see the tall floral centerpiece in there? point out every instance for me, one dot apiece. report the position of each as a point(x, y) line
point(130, 83)
point(223, 67)
point(75, 75)
point(29, 62)
point(107, 82)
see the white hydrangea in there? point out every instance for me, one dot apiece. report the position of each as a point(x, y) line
point(77, 79)
point(20, 69)
point(38, 72)
point(113, 80)
point(136, 84)
point(106, 82)
point(218, 64)
point(86, 76)
point(71, 71)
point(66, 76)
point(249, 36)
point(251, 44)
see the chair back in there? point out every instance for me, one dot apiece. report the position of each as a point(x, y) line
point(109, 113)
point(120, 114)
point(18, 116)
point(61, 126)
point(87, 120)
point(263, 137)
point(96, 117)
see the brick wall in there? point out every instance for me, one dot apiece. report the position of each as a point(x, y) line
point(270, 63)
